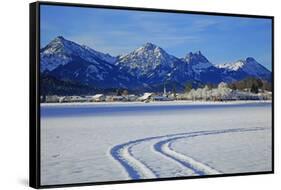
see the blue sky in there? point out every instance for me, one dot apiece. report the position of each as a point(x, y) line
point(221, 39)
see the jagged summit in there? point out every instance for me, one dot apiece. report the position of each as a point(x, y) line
point(249, 66)
point(250, 59)
point(144, 60)
point(149, 45)
point(240, 64)
point(198, 61)
point(196, 56)
point(198, 53)
point(61, 51)
point(149, 48)
point(60, 38)
point(60, 45)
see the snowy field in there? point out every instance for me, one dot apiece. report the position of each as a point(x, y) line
point(106, 142)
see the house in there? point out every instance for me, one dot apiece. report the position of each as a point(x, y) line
point(146, 97)
point(131, 97)
point(267, 95)
point(173, 96)
point(73, 99)
point(61, 99)
point(98, 98)
point(118, 98)
point(160, 98)
point(115, 98)
point(52, 99)
point(182, 96)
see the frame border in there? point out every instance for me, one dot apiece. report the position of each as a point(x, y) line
point(34, 98)
point(34, 93)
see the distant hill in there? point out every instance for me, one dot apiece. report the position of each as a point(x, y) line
point(50, 85)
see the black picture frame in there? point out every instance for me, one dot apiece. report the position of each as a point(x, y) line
point(34, 93)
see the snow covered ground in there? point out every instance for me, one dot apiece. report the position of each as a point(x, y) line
point(121, 141)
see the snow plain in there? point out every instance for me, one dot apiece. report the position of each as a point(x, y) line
point(106, 142)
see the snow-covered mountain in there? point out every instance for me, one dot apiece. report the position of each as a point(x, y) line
point(197, 61)
point(145, 68)
point(154, 66)
point(247, 67)
point(69, 61)
point(143, 61)
point(202, 69)
point(105, 57)
point(61, 51)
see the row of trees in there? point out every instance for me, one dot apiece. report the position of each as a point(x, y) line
point(250, 84)
point(208, 93)
point(253, 84)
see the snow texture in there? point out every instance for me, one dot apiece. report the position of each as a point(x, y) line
point(122, 141)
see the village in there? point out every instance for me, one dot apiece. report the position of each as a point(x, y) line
point(221, 93)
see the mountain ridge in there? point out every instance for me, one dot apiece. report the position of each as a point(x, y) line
point(145, 68)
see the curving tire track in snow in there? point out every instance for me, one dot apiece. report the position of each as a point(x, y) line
point(198, 166)
point(164, 147)
point(137, 169)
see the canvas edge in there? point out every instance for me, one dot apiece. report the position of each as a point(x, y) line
point(34, 119)
point(34, 101)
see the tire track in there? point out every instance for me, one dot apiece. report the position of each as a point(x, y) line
point(137, 169)
point(164, 147)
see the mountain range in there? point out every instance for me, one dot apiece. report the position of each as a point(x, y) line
point(147, 68)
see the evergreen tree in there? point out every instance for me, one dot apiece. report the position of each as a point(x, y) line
point(254, 88)
point(118, 92)
point(188, 87)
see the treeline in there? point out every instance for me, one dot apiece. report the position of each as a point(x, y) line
point(252, 84)
point(49, 85)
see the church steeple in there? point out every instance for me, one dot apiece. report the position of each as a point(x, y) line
point(164, 91)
